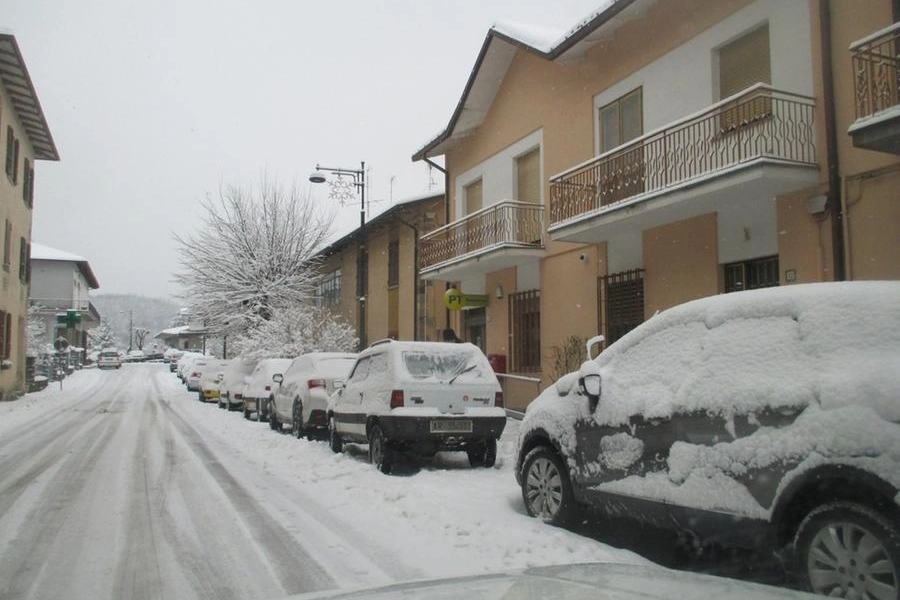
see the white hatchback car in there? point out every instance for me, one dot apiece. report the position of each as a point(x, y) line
point(260, 386)
point(422, 397)
point(231, 388)
point(301, 396)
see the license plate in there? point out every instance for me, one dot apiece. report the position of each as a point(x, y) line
point(454, 426)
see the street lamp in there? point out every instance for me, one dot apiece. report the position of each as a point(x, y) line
point(343, 190)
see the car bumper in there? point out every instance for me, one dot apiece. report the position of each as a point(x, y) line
point(211, 394)
point(442, 432)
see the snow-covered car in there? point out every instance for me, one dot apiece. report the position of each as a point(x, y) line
point(195, 371)
point(766, 418)
point(260, 386)
point(109, 359)
point(231, 388)
point(421, 397)
point(184, 363)
point(171, 356)
point(301, 396)
point(211, 375)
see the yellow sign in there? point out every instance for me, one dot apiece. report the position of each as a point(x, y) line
point(456, 300)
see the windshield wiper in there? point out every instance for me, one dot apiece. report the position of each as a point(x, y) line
point(466, 370)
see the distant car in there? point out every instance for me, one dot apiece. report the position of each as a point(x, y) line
point(211, 375)
point(766, 418)
point(231, 389)
point(109, 359)
point(195, 371)
point(301, 397)
point(420, 397)
point(135, 356)
point(184, 363)
point(260, 386)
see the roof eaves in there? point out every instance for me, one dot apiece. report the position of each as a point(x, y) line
point(17, 81)
point(571, 39)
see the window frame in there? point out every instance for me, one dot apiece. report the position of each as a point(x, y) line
point(525, 327)
point(618, 104)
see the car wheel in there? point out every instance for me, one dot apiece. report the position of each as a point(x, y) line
point(546, 488)
point(848, 550)
point(334, 438)
point(220, 403)
point(380, 452)
point(297, 420)
point(247, 413)
point(274, 423)
point(200, 396)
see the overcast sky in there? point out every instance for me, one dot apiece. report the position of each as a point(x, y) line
point(155, 104)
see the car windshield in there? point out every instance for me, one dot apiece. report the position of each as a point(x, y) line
point(424, 364)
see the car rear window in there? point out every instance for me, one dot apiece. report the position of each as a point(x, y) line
point(109, 355)
point(332, 368)
point(442, 365)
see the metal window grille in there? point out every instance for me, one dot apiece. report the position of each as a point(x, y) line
point(329, 291)
point(394, 263)
point(751, 274)
point(621, 302)
point(525, 326)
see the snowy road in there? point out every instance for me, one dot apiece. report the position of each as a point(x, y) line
point(123, 485)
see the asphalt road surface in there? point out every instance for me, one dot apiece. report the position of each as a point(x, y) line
point(117, 496)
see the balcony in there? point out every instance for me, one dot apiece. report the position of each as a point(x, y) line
point(876, 70)
point(747, 148)
point(496, 237)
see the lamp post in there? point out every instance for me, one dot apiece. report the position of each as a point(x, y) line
point(343, 190)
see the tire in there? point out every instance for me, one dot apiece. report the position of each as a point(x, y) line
point(380, 452)
point(334, 438)
point(274, 423)
point(246, 414)
point(200, 396)
point(297, 420)
point(848, 550)
point(546, 488)
point(483, 454)
point(220, 403)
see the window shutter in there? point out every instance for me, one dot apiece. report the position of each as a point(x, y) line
point(528, 177)
point(745, 62)
point(25, 181)
point(7, 344)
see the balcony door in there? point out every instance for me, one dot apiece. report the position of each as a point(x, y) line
point(474, 227)
point(621, 175)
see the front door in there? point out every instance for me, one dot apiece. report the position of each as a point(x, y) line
point(475, 329)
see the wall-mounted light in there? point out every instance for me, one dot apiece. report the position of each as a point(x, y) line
point(499, 292)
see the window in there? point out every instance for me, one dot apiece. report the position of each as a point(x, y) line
point(393, 263)
point(621, 120)
point(10, 152)
point(528, 177)
point(622, 174)
point(474, 227)
point(329, 291)
point(622, 303)
point(24, 269)
point(7, 246)
point(473, 197)
point(5, 334)
point(743, 63)
point(751, 274)
point(28, 183)
point(525, 325)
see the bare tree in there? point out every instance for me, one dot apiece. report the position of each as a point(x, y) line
point(140, 336)
point(101, 337)
point(254, 250)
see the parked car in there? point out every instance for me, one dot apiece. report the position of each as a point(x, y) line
point(211, 375)
point(260, 386)
point(419, 397)
point(231, 389)
point(171, 356)
point(184, 363)
point(109, 359)
point(766, 418)
point(195, 371)
point(301, 396)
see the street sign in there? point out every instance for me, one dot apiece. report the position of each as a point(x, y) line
point(456, 300)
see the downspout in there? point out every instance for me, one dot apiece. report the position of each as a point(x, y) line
point(835, 202)
point(415, 276)
point(446, 220)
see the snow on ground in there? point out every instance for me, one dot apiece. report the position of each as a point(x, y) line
point(435, 519)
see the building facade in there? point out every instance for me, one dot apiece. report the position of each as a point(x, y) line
point(24, 139)
point(60, 286)
point(389, 298)
point(660, 151)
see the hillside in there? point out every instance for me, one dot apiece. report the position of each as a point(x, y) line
point(154, 314)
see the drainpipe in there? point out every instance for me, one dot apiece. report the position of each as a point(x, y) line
point(835, 203)
point(415, 276)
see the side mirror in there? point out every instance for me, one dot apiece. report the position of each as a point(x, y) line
point(589, 382)
point(278, 378)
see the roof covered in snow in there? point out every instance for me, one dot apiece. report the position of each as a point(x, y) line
point(500, 45)
point(15, 77)
point(42, 252)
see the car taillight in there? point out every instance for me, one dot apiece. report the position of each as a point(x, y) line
point(268, 388)
point(498, 399)
point(396, 398)
point(314, 383)
point(195, 374)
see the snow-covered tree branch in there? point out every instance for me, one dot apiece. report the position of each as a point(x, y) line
point(255, 250)
point(295, 330)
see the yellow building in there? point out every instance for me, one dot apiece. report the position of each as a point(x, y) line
point(389, 299)
point(658, 152)
point(26, 138)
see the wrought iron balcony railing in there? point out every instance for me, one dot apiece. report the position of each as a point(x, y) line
point(507, 223)
point(758, 123)
point(876, 67)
